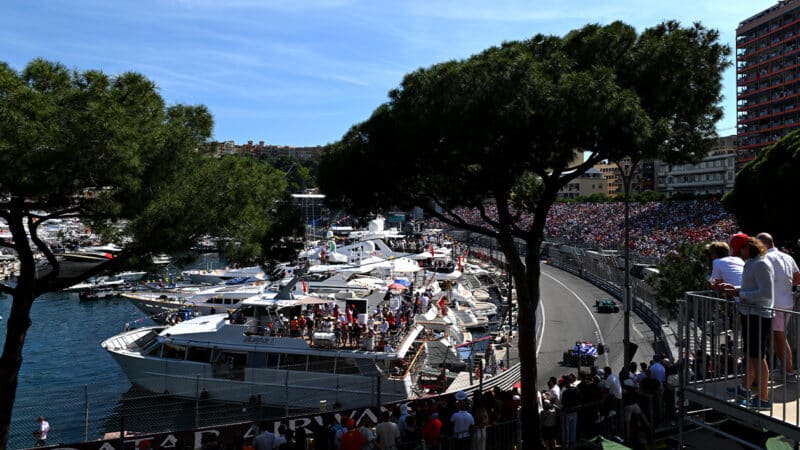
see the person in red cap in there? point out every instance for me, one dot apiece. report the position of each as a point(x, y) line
point(352, 439)
point(756, 300)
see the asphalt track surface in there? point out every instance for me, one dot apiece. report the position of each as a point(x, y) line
point(568, 314)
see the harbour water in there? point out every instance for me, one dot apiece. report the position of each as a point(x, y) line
point(67, 377)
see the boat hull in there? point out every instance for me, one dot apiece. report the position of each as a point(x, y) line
point(269, 387)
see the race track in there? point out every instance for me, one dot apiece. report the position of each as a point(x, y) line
point(568, 313)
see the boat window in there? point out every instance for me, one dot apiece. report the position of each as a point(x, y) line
point(199, 354)
point(272, 360)
point(146, 340)
point(256, 360)
point(155, 351)
point(174, 351)
point(321, 364)
point(347, 366)
point(293, 362)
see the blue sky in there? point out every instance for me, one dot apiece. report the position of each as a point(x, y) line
point(301, 72)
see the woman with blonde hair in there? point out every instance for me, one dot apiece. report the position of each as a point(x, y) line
point(756, 300)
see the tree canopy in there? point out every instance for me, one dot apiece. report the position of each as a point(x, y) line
point(498, 131)
point(109, 151)
point(756, 198)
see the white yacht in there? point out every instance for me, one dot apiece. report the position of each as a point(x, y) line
point(214, 276)
point(249, 355)
point(203, 300)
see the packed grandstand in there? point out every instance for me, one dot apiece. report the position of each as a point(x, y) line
point(656, 227)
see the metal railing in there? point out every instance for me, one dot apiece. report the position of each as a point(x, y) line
point(722, 341)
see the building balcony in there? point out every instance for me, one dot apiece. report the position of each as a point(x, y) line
point(749, 109)
point(758, 37)
point(746, 67)
point(747, 55)
point(744, 93)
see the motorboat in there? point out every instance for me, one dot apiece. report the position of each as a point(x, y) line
point(98, 287)
point(130, 276)
point(214, 276)
point(158, 303)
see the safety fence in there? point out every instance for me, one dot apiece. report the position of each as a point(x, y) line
point(734, 358)
point(307, 428)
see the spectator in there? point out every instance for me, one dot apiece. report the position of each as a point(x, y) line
point(549, 422)
point(785, 275)
point(387, 435)
point(268, 440)
point(352, 439)
point(756, 299)
point(431, 432)
point(462, 421)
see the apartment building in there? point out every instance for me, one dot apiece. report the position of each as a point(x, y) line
point(767, 78)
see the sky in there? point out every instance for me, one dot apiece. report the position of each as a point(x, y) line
point(302, 72)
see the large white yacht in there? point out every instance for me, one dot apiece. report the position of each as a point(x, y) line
point(251, 355)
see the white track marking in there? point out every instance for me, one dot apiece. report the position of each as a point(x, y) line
point(541, 332)
point(588, 310)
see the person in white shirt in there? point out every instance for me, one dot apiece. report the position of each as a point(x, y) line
point(462, 421)
point(41, 433)
point(724, 267)
point(268, 440)
point(554, 390)
point(785, 275)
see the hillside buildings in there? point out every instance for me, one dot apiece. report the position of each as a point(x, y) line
point(268, 152)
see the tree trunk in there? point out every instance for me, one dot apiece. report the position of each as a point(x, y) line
point(10, 362)
point(526, 280)
point(17, 325)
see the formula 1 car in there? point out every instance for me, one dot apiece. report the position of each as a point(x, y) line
point(583, 354)
point(606, 305)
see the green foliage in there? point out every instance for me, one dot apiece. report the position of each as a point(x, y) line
point(301, 173)
point(684, 270)
point(108, 150)
point(460, 132)
point(238, 198)
point(757, 196)
point(502, 127)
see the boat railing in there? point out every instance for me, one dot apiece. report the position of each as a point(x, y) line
point(133, 341)
point(411, 364)
point(265, 327)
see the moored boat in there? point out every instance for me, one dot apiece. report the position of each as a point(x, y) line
point(258, 353)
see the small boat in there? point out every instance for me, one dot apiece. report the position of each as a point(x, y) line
point(161, 259)
point(130, 276)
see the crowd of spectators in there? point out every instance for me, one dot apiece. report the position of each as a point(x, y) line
point(454, 422)
point(656, 228)
point(625, 405)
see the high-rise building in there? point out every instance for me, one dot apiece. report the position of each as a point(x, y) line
point(767, 78)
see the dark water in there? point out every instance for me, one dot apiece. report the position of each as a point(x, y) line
point(66, 373)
